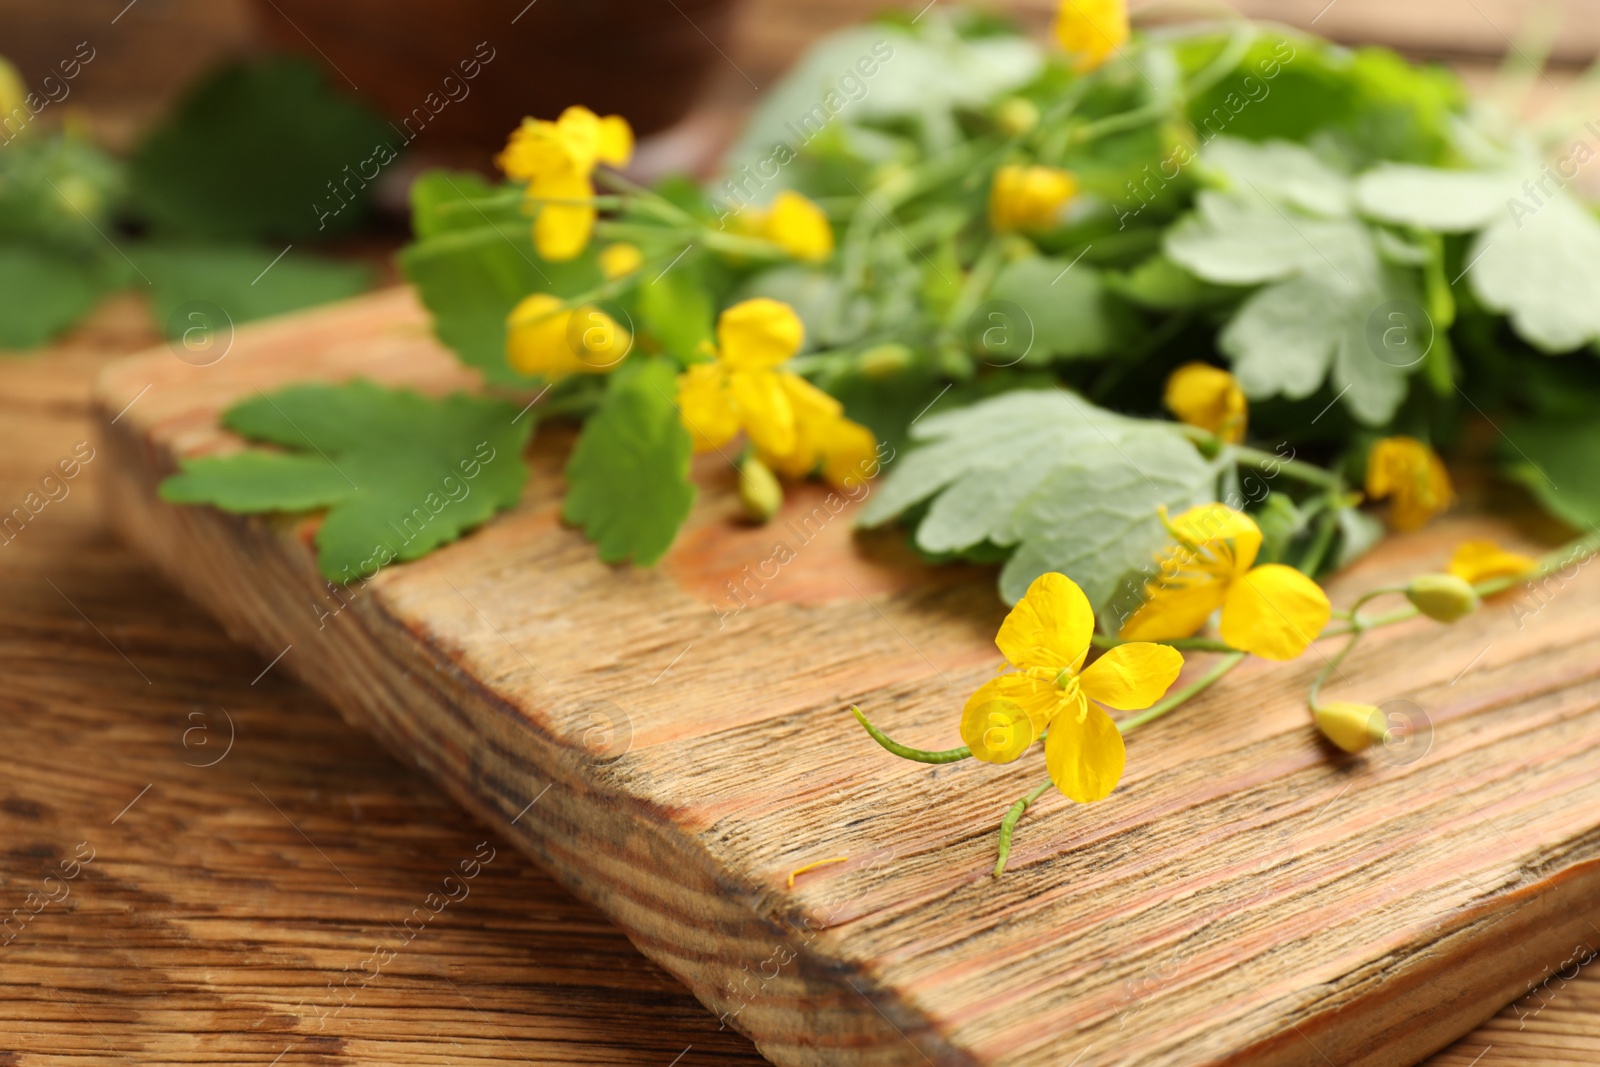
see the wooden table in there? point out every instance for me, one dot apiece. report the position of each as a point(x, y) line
point(224, 905)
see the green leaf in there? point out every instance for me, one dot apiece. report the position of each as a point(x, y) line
point(446, 200)
point(628, 479)
point(1161, 284)
point(1450, 201)
point(1075, 487)
point(243, 280)
point(1281, 171)
point(400, 473)
point(1558, 460)
point(1065, 304)
point(43, 291)
point(471, 279)
point(676, 308)
point(1541, 267)
point(263, 149)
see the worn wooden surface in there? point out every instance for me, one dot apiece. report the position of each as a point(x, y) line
point(1246, 897)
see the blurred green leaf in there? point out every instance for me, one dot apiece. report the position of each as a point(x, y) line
point(243, 280)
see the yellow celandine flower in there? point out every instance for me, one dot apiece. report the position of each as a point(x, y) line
point(1271, 611)
point(620, 260)
point(799, 227)
point(794, 426)
point(1090, 30)
point(1208, 397)
point(1482, 561)
point(557, 160)
point(1029, 198)
point(1046, 638)
point(545, 337)
point(1412, 475)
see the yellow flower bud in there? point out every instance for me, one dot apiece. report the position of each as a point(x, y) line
point(1442, 597)
point(1352, 727)
point(759, 490)
point(1029, 197)
point(620, 259)
point(1016, 115)
point(544, 337)
point(884, 361)
point(1205, 396)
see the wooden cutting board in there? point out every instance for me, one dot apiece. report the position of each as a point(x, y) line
point(672, 743)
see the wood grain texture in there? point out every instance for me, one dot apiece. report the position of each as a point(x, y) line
point(207, 929)
point(1247, 897)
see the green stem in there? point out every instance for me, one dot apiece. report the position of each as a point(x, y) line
point(977, 282)
point(1317, 550)
point(949, 755)
point(1193, 689)
point(1294, 468)
point(1187, 644)
point(660, 204)
point(1333, 665)
point(1008, 825)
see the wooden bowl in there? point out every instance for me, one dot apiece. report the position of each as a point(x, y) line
point(643, 59)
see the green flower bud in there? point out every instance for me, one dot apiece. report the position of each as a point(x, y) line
point(884, 361)
point(1352, 727)
point(1442, 597)
point(1016, 116)
point(759, 490)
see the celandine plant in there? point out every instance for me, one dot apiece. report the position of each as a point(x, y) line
point(1149, 320)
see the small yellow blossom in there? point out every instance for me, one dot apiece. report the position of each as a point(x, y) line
point(1271, 611)
point(1483, 561)
point(795, 427)
point(1411, 473)
point(544, 337)
point(1208, 397)
point(1090, 30)
point(1029, 198)
point(557, 160)
point(620, 260)
point(1352, 727)
point(1046, 638)
point(799, 227)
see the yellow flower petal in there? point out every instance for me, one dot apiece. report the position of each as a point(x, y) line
point(590, 139)
point(564, 223)
point(1037, 697)
point(1274, 612)
point(764, 410)
point(615, 142)
point(1229, 538)
point(1084, 753)
point(1131, 677)
point(849, 454)
point(1050, 627)
point(1029, 198)
point(815, 412)
point(706, 407)
point(997, 730)
point(1482, 561)
point(758, 334)
point(534, 148)
point(1173, 611)
point(1090, 30)
point(1208, 397)
point(620, 260)
point(1411, 473)
point(799, 227)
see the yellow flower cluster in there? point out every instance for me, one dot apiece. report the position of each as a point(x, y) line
point(557, 160)
point(545, 337)
point(1412, 477)
point(1205, 396)
point(794, 426)
point(1046, 639)
point(1271, 611)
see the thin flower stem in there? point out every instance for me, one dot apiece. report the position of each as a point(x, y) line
point(920, 755)
point(1186, 644)
point(1331, 666)
point(1294, 468)
point(1008, 825)
point(1317, 550)
point(1174, 700)
point(645, 196)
